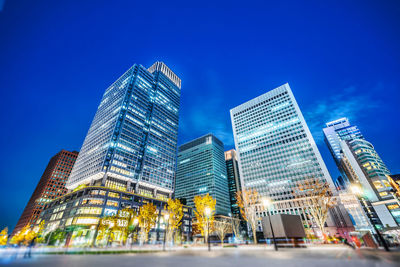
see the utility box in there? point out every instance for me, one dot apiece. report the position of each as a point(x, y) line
point(284, 226)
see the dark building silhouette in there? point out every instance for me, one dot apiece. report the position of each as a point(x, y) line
point(232, 170)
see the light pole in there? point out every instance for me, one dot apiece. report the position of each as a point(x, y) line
point(267, 202)
point(207, 212)
point(166, 218)
point(357, 190)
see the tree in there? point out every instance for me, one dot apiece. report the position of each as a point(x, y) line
point(129, 215)
point(222, 227)
point(39, 231)
point(175, 212)
point(147, 219)
point(247, 201)
point(318, 199)
point(54, 236)
point(4, 237)
point(20, 237)
point(235, 221)
point(204, 221)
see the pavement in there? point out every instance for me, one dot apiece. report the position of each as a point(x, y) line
point(325, 256)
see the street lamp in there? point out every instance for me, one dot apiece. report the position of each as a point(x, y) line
point(207, 212)
point(267, 202)
point(166, 218)
point(358, 191)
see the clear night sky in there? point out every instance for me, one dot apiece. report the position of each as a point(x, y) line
point(58, 57)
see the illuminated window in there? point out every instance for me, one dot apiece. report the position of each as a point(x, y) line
point(393, 207)
point(377, 184)
point(113, 194)
point(110, 212)
point(89, 211)
point(98, 192)
point(382, 194)
point(68, 222)
point(86, 220)
point(112, 203)
point(115, 185)
point(93, 201)
point(386, 183)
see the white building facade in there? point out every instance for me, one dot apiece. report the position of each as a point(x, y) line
point(276, 150)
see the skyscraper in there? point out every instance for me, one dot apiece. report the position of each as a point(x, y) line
point(131, 143)
point(51, 185)
point(276, 150)
point(202, 170)
point(337, 131)
point(232, 170)
point(128, 157)
point(359, 163)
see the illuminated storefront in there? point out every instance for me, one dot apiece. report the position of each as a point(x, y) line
point(81, 214)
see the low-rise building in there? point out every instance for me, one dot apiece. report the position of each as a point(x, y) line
point(80, 212)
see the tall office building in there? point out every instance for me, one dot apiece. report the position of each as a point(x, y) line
point(363, 166)
point(51, 185)
point(337, 131)
point(201, 170)
point(359, 163)
point(232, 170)
point(128, 157)
point(276, 150)
point(131, 143)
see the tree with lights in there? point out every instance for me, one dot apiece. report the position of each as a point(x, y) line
point(247, 201)
point(204, 212)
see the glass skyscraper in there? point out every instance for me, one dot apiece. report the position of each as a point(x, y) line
point(359, 163)
point(232, 170)
point(201, 170)
point(131, 143)
point(338, 130)
point(276, 150)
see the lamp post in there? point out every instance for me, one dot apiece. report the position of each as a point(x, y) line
point(267, 202)
point(166, 218)
point(207, 212)
point(357, 190)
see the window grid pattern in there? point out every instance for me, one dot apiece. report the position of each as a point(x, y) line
point(275, 148)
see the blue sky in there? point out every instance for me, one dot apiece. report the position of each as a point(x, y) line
point(341, 58)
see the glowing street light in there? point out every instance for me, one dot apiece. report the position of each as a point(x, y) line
point(267, 202)
point(356, 190)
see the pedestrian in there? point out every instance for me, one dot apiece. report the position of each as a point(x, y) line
point(29, 249)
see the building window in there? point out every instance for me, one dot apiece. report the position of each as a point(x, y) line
point(377, 184)
point(112, 203)
point(393, 207)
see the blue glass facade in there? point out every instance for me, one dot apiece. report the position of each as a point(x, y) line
point(202, 170)
point(131, 144)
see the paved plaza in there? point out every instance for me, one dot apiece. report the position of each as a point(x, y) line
point(226, 257)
